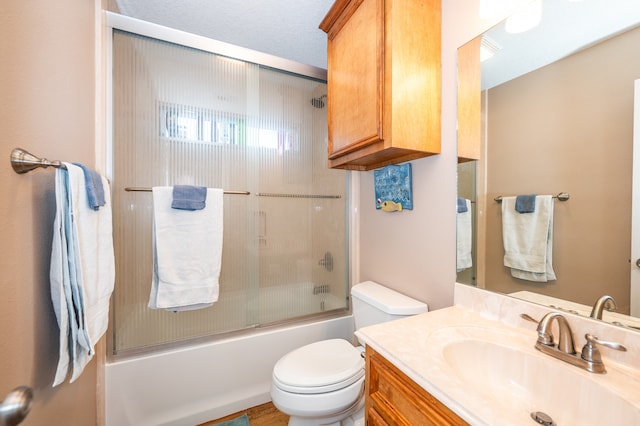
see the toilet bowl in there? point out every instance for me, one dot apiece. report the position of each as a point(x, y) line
point(322, 383)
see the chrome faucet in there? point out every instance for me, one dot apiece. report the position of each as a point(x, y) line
point(565, 337)
point(589, 359)
point(600, 304)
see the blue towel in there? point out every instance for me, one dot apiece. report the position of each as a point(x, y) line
point(526, 203)
point(462, 205)
point(95, 190)
point(186, 197)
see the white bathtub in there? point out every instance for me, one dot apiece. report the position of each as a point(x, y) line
point(202, 382)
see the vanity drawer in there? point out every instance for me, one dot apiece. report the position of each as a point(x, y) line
point(394, 399)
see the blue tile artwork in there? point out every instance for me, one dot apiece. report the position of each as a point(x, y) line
point(393, 183)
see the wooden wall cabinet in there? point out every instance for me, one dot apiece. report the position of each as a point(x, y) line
point(384, 81)
point(392, 398)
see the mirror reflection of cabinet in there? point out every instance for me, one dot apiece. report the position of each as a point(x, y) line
point(384, 81)
point(469, 103)
point(470, 146)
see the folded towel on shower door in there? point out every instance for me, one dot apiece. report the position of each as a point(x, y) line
point(187, 252)
point(82, 270)
point(528, 239)
point(186, 197)
point(464, 230)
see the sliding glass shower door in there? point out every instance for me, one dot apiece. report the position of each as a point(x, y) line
point(190, 117)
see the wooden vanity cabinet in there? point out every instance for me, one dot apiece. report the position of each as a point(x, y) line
point(384, 81)
point(392, 398)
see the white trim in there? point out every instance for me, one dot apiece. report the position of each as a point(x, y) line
point(635, 206)
point(102, 64)
point(100, 149)
point(108, 100)
point(354, 227)
point(148, 29)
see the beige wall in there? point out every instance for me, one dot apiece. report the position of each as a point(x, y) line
point(569, 127)
point(414, 251)
point(47, 107)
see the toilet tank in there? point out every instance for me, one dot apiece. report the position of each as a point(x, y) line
point(374, 304)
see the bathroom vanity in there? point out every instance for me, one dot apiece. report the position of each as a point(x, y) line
point(393, 398)
point(476, 363)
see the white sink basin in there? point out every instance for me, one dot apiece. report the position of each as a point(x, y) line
point(504, 374)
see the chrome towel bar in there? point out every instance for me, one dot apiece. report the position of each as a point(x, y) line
point(563, 196)
point(143, 189)
point(23, 161)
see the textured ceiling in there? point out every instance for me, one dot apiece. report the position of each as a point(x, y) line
point(284, 28)
point(289, 28)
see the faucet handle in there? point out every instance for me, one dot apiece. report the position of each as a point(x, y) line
point(592, 354)
point(529, 318)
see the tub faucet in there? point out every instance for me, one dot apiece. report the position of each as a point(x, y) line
point(600, 304)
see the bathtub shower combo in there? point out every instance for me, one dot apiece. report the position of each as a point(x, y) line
point(184, 114)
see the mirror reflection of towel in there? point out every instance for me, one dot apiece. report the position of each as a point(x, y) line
point(462, 205)
point(528, 240)
point(463, 236)
point(526, 203)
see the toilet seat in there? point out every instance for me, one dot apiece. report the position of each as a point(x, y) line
point(319, 367)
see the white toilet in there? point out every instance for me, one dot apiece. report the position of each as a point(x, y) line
point(323, 383)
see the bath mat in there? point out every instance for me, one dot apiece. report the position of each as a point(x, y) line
point(243, 420)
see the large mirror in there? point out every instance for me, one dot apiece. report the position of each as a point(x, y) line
point(556, 115)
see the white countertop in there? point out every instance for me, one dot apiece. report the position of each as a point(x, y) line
point(414, 345)
point(405, 343)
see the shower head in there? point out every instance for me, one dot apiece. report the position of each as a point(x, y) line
point(318, 102)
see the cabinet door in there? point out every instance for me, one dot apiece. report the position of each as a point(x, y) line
point(393, 398)
point(355, 80)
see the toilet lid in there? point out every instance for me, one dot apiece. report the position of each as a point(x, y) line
point(319, 367)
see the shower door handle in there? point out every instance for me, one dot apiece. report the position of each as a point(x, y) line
point(16, 406)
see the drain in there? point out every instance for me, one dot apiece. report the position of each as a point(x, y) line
point(542, 418)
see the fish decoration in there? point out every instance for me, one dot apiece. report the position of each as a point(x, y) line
point(390, 206)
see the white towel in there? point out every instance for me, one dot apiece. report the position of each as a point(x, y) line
point(528, 239)
point(464, 238)
point(82, 271)
point(59, 278)
point(93, 230)
point(187, 252)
